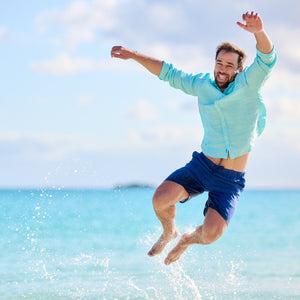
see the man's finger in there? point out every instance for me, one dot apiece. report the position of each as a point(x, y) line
point(241, 25)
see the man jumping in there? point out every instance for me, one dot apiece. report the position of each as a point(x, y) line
point(233, 115)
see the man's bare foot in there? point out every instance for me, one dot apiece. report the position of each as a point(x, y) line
point(160, 245)
point(181, 246)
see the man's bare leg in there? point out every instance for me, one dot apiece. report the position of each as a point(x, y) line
point(213, 227)
point(166, 196)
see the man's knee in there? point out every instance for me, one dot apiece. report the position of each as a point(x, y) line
point(213, 227)
point(210, 235)
point(159, 199)
point(168, 194)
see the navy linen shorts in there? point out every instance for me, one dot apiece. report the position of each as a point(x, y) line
point(223, 185)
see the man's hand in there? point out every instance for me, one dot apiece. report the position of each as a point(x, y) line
point(151, 64)
point(253, 21)
point(122, 52)
point(254, 24)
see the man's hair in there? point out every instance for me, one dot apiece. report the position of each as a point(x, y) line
point(228, 47)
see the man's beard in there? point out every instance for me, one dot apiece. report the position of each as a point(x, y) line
point(223, 84)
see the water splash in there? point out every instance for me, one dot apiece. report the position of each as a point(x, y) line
point(182, 280)
point(167, 282)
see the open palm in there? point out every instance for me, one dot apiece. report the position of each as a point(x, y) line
point(253, 21)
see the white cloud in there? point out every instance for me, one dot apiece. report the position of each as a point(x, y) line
point(137, 22)
point(80, 21)
point(65, 64)
point(282, 141)
point(84, 100)
point(288, 45)
point(166, 136)
point(75, 37)
point(41, 146)
point(5, 35)
point(143, 111)
point(284, 110)
point(142, 22)
point(189, 57)
point(283, 78)
point(189, 105)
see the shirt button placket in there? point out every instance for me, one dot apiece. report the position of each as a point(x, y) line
point(224, 127)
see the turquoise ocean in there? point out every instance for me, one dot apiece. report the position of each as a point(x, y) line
point(93, 244)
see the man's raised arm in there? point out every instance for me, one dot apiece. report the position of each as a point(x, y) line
point(255, 25)
point(152, 64)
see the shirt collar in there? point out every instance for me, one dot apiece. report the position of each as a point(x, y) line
point(227, 90)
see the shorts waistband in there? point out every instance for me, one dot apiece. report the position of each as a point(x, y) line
point(214, 167)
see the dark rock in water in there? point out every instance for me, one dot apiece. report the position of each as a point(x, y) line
point(132, 186)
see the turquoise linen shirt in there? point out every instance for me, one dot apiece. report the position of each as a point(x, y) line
point(231, 119)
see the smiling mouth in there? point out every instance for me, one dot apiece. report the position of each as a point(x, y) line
point(222, 77)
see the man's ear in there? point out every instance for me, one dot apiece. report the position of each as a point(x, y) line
point(240, 69)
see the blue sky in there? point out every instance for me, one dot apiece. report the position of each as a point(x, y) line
point(71, 116)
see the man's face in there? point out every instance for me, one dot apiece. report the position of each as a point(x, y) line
point(226, 68)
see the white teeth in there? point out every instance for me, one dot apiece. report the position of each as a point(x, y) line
point(222, 77)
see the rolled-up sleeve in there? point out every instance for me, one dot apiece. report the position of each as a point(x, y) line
point(178, 79)
point(257, 73)
point(164, 70)
point(268, 58)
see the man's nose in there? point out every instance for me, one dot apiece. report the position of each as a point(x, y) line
point(222, 68)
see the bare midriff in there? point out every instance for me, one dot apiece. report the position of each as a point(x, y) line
point(238, 164)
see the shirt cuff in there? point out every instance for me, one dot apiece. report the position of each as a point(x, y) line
point(267, 58)
point(164, 70)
